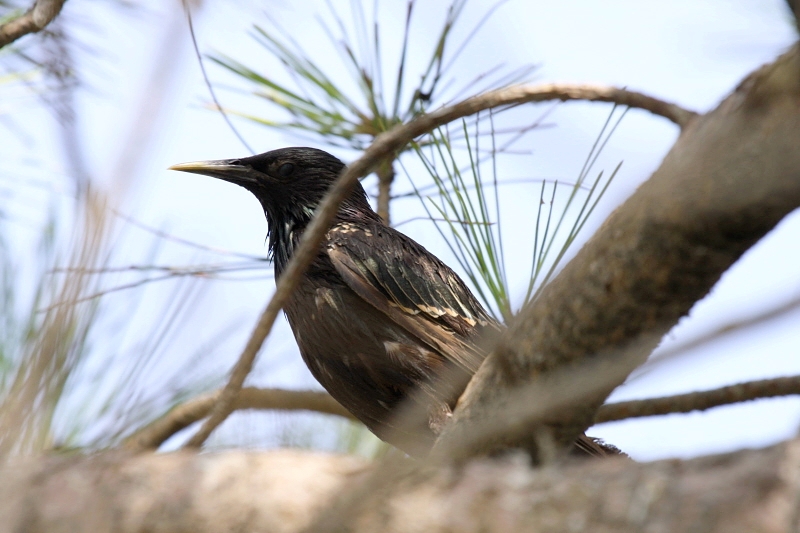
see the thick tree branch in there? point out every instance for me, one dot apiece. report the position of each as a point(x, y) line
point(34, 20)
point(383, 149)
point(154, 434)
point(699, 401)
point(284, 491)
point(179, 492)
point(732, 175)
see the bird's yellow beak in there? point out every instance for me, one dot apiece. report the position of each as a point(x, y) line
point(225, 169)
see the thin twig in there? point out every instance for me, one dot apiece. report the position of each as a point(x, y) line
point(208, 81)
point(168, 236)
point(170, 273)
point(384, 147)
point(34, 20)
point(701, 400)
point(193, 270)
point(422, 191)
point(686, 348)
point(182, 416)
point(385, 178)
point(445, 220)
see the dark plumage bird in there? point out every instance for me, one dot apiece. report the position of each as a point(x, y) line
point(389, 330)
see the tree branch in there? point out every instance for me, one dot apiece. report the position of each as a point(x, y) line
point(753, 491)
point(596, 93)
point(731, 176)
point(699, 401)
point(182, 416)
point(383, 148)
point(34, 20)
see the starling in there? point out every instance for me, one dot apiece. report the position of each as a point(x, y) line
point(389, 330)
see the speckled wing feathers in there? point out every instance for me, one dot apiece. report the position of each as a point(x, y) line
point(394, 274)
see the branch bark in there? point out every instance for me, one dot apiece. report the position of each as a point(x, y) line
point(34, 20)
point(732, 175)
point(284, 491)
point(699, 401)
point(154, 434)
point(181, 492)
point(383, 149)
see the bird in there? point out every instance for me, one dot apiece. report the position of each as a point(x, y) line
point(387, 328)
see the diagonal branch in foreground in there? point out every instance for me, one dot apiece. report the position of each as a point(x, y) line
point(731, 176)
point(34, 20)
point(384, 147)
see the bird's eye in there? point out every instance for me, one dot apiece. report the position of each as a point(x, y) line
point(285, 169)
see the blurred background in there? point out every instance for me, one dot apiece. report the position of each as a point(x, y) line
point(167, 272)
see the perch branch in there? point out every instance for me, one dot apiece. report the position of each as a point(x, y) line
point(699, 401)
point(154, 434)
point(732, 175)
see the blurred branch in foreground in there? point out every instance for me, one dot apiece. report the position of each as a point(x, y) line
point(55, 342)
point(288, 491)
point(730, 178)
point(34, 20)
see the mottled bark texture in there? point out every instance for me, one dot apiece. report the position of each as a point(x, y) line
point(184, 415)
point(179, 492)
point(732, 175)
point(744, 492)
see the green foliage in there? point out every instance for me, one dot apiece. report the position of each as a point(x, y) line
point(321, 108)
point(471, 214)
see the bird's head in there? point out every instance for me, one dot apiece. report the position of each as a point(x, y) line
point(289, 183)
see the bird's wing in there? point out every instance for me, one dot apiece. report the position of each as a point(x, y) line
point(413, 288)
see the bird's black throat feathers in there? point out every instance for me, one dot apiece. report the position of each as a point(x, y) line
point(290, 183)
point(289, 202)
